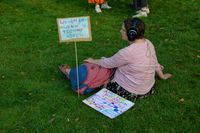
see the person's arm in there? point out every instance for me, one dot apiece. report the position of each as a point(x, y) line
point(119, 59)
point(161, 75)
point(91, 60)
point(159, 68)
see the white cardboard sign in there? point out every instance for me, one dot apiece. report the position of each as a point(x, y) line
point(108, 103)
point(74, 29)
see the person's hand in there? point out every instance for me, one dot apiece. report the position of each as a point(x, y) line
point(89, 60)
point(166, 76)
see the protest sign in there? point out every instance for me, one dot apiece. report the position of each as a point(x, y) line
point(108, 103)
point(74, 29)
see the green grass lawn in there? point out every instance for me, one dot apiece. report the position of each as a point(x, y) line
point(36, 98)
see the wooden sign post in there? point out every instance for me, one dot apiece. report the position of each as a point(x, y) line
point(74, 30)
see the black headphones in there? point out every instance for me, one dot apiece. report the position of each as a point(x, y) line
point(133, 31)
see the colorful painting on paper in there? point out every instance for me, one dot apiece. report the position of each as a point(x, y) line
point(74, 29)
point(108, 103)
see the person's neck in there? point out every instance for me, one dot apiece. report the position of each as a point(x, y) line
point(141, 40)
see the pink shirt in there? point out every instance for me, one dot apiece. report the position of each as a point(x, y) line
point(97, 75)
point(136, 65)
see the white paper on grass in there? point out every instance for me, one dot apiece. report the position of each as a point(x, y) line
point(108, 103)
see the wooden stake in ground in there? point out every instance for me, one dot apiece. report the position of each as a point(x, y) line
point(77, 74)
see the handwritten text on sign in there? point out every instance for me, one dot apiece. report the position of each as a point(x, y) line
point(74, 29)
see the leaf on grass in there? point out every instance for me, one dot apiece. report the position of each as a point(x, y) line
point(166, 40)
point(22, 73)
point(161, 28)
point(2, 77)
point(198, 56)
point(52, 120)
point(77, 119)
point(181, 100)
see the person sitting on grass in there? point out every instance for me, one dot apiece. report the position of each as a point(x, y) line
point(135, 65)
point(103, 3)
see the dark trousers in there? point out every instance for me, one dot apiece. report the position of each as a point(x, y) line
point(117, 89)
point(138, 4)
